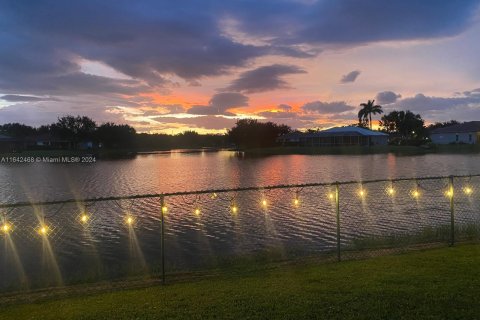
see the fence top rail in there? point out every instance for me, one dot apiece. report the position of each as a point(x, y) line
point(225, 190)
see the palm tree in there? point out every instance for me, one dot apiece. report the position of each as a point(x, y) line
point(367, 110)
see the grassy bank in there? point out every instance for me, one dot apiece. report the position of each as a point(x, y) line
point(434, 284)
point(357, 150)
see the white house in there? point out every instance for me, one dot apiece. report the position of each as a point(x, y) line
point(467, 132)
point(339, 136)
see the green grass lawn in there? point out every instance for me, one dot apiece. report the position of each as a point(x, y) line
point(433, 284)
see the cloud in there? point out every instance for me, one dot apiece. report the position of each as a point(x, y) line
point(277, 114)
point(463, 108)
point(22, 98)
point(387, 97)
point(265, 78)
point(354, 22)
point(205, 122)
point(159, 45)
point(220, 103)
point(284, 107)
point(350, 77)
point(326, 107)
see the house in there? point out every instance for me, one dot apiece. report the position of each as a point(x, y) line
point(467, 132)
point(338, 136)
point(46, 141)
point(7, 144)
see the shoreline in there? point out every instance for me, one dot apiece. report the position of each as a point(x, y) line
point(269, 151)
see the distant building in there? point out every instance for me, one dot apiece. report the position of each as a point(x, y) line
point(7, 144)
point(467, 132)
point(339, 136)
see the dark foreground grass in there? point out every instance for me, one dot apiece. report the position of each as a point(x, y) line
point(433, 284)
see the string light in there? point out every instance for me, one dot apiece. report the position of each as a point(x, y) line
point(468, 190)
point(197, 211)
point(296, 200)
point(164, 209)
point(264, 203)
point(331, 196)
point(129, 220)
point(362, 193)
point(6, 228)
point(391, 191)
point(449, 193)
point(84, 218)
point(415, 194)
point(43, 230)
point(234, 208)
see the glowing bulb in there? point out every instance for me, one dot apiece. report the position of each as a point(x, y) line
point(264, 203)
point(84, 218)
point(416, 194)
point(361, 193)
point(197, 211)
point(164, 209)
point(296, 202)
point(129, 221)
point(391, 191)
point(468, 190)
point(330, 196)
point(234, 209)
point(43, 231)
point(449, 193)
point(6, 228)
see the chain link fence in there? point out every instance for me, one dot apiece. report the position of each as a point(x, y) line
point(150, 237)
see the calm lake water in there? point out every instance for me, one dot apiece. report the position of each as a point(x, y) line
point(106, 248)
point(155, 173)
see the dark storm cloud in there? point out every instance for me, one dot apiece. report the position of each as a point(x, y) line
point(220, 103)
point(353, 22)
point(148, 39)
point(350, 77)
point(45, 41)
point(326, 107)
point(387, 97)
point(265, 78)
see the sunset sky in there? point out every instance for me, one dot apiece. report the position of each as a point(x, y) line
point(170, 66)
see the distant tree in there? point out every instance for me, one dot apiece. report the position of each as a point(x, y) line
point(366, 112)
point(74, 129)
point(113, 135)
point(438, 125)
point(250, 133)
point(16, 130)
point(408, 125)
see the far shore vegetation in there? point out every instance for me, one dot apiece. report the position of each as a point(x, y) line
point(75, 135)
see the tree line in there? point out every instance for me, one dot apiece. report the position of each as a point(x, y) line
point(404, 127)
point(78, 129)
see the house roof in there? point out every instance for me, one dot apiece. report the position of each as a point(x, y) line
point(336, 132)
point(471, 126)
point(5, 138)
point(355, 130)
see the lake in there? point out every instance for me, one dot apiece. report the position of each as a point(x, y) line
point(202, 230)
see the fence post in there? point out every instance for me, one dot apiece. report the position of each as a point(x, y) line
point(162, 215)
point(452, 212)
point(337, 209)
